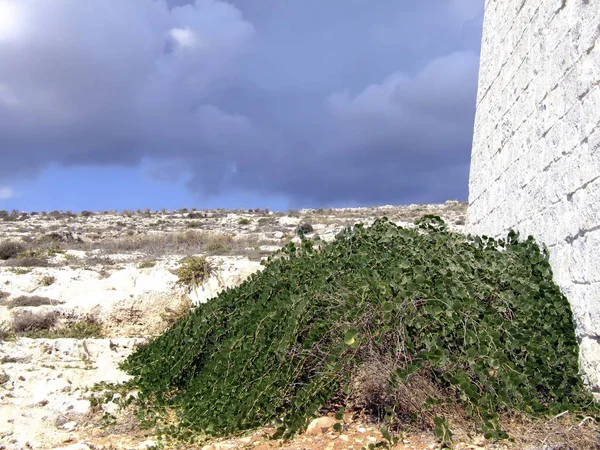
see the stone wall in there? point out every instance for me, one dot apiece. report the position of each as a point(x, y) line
point(535, 164)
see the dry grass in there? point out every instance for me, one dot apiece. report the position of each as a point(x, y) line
point(567, 432)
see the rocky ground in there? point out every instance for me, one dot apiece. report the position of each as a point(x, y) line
point(83, 290)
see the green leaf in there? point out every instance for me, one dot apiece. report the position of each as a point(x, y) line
point(349, 337)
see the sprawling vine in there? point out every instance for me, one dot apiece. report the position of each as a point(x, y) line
point(480, 318)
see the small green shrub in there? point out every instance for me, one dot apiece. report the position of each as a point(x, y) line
point(146, 264)
point(193, 271)
point(10, 249)
point(244, 221)
point(435, 322)
point(194, 224)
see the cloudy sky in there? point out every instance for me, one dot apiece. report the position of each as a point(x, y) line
point(112, 104)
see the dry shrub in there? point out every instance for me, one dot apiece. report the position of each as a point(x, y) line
point(28, 322)
point(62, 236)
point(29, 261)
point(31, 301)
point(29, 257)
point(4, 294)
point(10, 249)
point(414, 403)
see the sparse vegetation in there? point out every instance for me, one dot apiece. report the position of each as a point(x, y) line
point(87, 328)
point(99, 261)
point(194, 224)
point(188, 242)
point(416, 328)
point(244, 221)
point(265, 221)
point(44, 325)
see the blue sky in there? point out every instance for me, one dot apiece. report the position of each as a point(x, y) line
point(107, 104)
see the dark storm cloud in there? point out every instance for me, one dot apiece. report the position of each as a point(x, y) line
point(323, 102)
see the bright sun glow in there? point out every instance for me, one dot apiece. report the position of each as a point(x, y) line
point(9, 22)
point(184, 37)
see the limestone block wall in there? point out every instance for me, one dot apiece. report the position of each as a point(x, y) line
point(535, 164)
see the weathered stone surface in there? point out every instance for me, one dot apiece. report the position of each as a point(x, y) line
point(535, 164)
